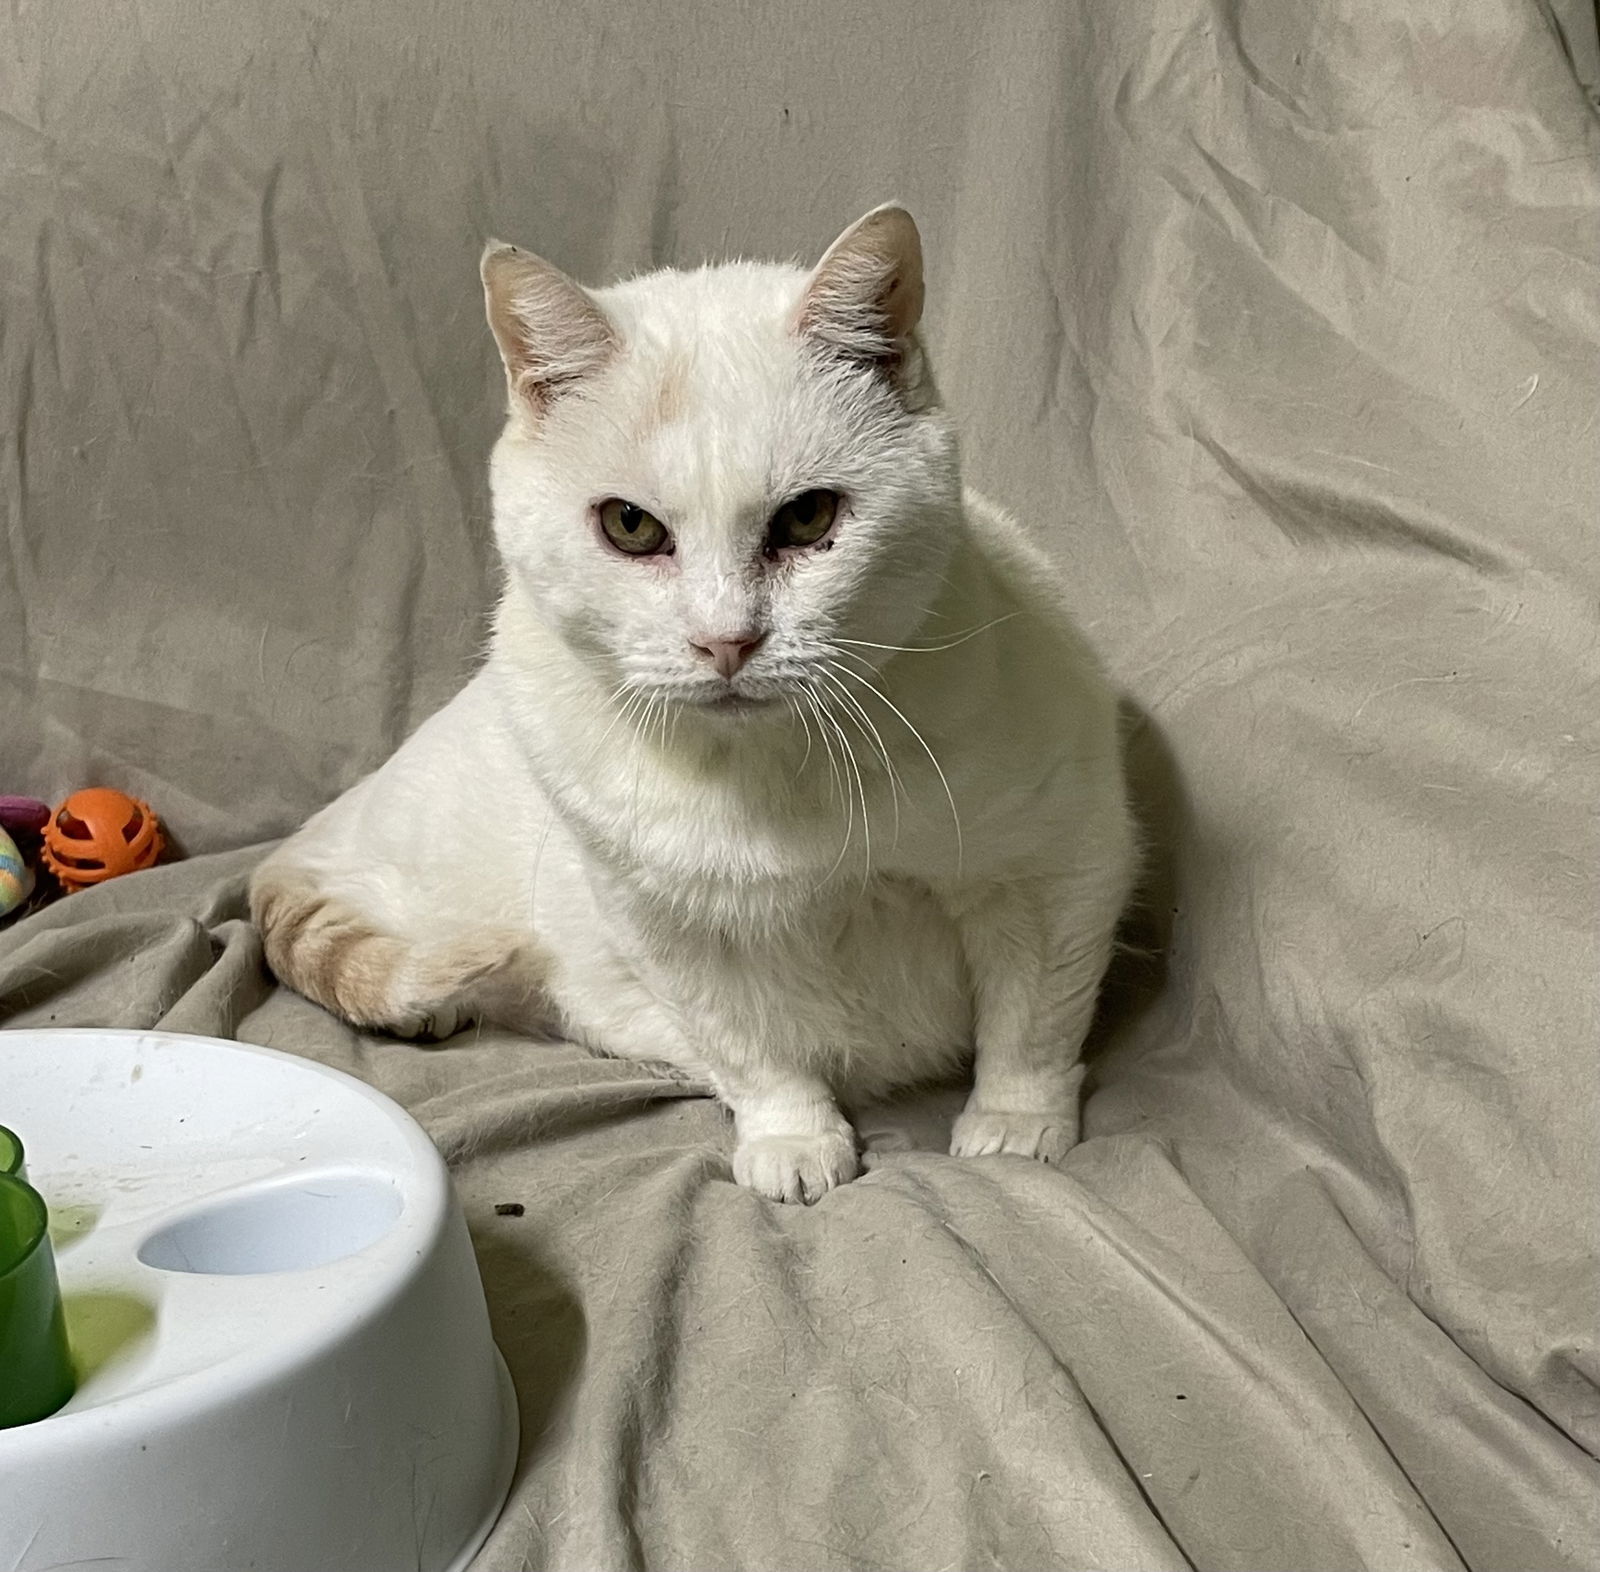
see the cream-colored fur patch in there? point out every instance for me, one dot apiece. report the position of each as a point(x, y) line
point(323, 948)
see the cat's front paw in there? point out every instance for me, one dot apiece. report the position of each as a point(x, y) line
point(796, 1167)
point(431, 1023)
point(983, 1132)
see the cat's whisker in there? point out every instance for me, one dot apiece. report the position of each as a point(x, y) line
point(929, 649)
point(836, 784)
point(922, 741)
point(835, 736)
point(611, 698)
point(639, 714)
point(624, 717)
point(863, 723)
point(861, 792)
point(833, 671)
point(823, 723)
point(800, 715)
point(643, 731)
point(533, 881)
point(853, 787)
point(861, 795)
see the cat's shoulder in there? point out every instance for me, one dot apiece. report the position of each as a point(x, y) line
point(1018, 554)
point(1009, 542)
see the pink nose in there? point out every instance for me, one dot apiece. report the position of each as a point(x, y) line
point(728, 655)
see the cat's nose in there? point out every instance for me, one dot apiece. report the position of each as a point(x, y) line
point(729, 654)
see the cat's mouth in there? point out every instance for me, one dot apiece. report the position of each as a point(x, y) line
point(730, 703)
point(724, 699)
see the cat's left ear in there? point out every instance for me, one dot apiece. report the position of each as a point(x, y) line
point(549, 329)
point(864, 298)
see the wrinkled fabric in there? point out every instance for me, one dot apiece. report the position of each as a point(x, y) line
point(1282, 325)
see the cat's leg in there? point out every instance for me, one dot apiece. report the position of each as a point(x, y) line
point(394, 908)
point(794, 1143)
point(324, 947)
point(754, 1012)
point(1036, 953)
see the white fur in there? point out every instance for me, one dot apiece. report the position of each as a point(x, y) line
point(759, 897)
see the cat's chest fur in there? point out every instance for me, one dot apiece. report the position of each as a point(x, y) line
point(823, 960)
point(796, 844)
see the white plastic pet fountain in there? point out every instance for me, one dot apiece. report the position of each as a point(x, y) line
point(284, 1355)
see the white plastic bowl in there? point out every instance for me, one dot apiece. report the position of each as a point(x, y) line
point(288, 1364)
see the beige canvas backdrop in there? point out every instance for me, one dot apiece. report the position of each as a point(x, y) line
point(1282, 325)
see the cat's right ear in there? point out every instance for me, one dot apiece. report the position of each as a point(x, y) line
point(550, 331)
point(864, 298)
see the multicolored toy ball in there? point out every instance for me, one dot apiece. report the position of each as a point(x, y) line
point(16, 877)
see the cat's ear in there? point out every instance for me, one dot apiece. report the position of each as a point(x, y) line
point(549, 329)
point(864, 298)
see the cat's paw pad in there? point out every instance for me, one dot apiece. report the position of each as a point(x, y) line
point(796, 1167)
point(1046, 1137)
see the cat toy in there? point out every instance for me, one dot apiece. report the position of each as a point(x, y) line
point(16, 877)
point(97, 834)
point(21, 819)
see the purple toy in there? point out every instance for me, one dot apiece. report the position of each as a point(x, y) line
point(27, 814)
point(22, 818)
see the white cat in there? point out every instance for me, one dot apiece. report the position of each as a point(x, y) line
point(785, 765)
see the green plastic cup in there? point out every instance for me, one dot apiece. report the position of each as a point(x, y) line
point(35, 1363)
point(11, 1154)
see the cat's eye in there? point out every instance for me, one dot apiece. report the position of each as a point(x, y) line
point(803, 520)
point(629, 528)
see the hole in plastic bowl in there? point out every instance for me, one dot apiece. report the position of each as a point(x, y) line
point(286, 1229)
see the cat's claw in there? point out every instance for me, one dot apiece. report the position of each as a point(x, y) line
point(1046, 1137)
point(433, 1023)
point(796, 1168)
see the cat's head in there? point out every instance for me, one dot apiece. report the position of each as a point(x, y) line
point(712, 484)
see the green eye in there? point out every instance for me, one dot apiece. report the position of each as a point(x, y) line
point(803, 520)
point(629, 528)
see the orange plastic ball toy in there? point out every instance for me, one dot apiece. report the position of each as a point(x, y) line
point(97, 834)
